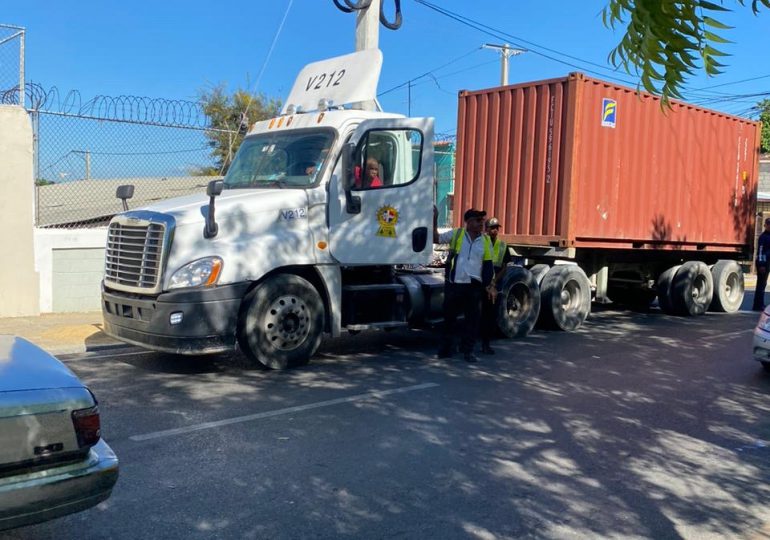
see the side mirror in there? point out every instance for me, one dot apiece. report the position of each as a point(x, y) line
point(213, 190)
point(352, 202)
point(124, 193)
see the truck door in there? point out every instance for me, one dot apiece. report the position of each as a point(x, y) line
point(381, 207)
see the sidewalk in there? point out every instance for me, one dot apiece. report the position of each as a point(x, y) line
point(72, 333)
point(61, 333)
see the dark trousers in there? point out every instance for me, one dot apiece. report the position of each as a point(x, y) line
point(462, 298)
point(488, 319)
point(759, 292)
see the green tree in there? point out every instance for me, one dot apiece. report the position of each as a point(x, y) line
point(230, 116)
point(764, 116)
point(666, 41)
point(43, 182)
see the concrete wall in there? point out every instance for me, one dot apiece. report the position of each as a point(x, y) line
point(71, 264)
point(19, 282)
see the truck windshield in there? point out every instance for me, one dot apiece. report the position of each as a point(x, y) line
point(284, 159)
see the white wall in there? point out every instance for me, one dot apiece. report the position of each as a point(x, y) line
point(18, 280)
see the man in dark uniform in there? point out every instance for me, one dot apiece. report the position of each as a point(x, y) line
point(761, 262)
point(500, 258)
point(469, 271)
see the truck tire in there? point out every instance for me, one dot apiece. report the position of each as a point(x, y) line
point(728, 286)
point(565, 295)
point(539, 271)
point(663, 286)
point(282, 322)
point(692, 289)
point(518, 302)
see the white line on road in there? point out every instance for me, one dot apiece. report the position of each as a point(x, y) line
point(278, 412)
point(735, 333)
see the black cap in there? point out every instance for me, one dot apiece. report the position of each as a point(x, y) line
point(767, 221)
point(473, 213)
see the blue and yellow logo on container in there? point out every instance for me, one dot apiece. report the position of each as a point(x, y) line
point(609, 112)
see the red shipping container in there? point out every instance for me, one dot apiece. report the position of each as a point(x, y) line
point(580, 162)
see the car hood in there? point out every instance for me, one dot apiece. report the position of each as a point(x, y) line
point(25, 366)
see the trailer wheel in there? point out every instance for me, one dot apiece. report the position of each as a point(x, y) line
point(692, 289)
point(518, 302)
point(663, 287)
point(565, 295)
point(539, 271)
point(728, 286)
point(282, 322)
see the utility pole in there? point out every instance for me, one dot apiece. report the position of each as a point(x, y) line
point(505, 53)
point(368, 27)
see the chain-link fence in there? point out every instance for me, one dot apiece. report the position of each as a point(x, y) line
point(12, 62)
point(84, 151)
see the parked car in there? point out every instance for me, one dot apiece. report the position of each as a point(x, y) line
point(53, 460)
point(762, 339)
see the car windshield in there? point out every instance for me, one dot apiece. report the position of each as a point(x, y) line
point(283, 159)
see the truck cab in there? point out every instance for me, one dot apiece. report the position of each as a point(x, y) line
point(294, 241)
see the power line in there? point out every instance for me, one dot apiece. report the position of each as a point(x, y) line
point(427, 73)
point(500, 34)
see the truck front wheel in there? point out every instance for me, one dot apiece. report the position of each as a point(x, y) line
point(282, 322)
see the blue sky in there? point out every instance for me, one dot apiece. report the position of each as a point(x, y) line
point(172, 49)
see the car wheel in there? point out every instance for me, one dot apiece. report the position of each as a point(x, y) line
point(565, 296)
point(518, 303)
point(728, 286)
point(663, 287)
point(692, 289)
point(282, 322)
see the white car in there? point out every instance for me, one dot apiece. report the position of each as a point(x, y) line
point(762, 339)
point(53, 460)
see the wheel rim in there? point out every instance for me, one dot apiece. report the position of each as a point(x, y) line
point(732, 289)
point(570, 296)
point(699, 288)
point(287, 323)
point(518, 303)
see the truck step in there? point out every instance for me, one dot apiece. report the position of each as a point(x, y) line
point(374, 287)
point(377, 325)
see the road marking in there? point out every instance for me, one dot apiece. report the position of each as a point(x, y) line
point(735, 333)
point(278, 412)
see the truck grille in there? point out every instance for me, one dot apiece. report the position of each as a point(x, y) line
point(134, 254)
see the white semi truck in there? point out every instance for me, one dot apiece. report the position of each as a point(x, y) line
point(292, 243)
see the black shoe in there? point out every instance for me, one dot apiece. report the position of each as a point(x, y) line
point(470, 358)
point(444, 352)
point(486, 349)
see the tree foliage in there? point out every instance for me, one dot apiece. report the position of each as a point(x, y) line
point(230, 116)
point(764, 116)
point(667, 41)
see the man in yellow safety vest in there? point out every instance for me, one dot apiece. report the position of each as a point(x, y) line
point(469, 271)
point(500, 258)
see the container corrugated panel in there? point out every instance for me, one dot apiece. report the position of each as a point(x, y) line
point(586, 163)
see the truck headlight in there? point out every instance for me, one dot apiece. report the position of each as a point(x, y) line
point(201, 273)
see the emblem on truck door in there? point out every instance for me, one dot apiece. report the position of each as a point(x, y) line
point(387, 217)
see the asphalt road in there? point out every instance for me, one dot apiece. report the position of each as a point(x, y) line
point(636, 426)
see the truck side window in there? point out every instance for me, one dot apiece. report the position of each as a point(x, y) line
point(388, 158)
